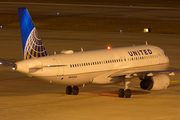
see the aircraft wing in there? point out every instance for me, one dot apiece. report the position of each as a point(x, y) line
point(141, 71)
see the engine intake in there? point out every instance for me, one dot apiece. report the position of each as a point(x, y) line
point(158, 82)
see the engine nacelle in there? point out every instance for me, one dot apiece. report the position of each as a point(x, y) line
point(158, 82)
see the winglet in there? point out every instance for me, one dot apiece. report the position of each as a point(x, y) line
point(31, 42)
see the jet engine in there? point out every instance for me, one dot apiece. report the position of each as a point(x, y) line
point(158, 82)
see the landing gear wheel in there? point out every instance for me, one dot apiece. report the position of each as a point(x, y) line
point(75, 90)
point(127, 93)
point(121, 93)
point(68, 90)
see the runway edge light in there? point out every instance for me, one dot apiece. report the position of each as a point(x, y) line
point(146, 30)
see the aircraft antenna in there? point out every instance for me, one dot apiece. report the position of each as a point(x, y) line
point(81, 49)
point(146, 43)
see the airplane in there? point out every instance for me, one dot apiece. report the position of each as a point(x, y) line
point(104, 66)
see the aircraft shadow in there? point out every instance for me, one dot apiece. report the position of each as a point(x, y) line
point(115, 93)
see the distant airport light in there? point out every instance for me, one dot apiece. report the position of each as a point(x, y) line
point(108, 47)
point(120, 31)
point(57, 13)
point(0, 63)
point(147, 30)
point(130, 5)
point(1, 26)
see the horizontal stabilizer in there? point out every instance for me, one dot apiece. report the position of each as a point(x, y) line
point(7, 63)
point(37, 68)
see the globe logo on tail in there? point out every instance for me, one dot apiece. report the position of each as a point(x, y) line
point(34, 47)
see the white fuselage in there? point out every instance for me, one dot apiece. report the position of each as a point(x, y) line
point(94, 66)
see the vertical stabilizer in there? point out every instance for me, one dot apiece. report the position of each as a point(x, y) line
point(31, 42)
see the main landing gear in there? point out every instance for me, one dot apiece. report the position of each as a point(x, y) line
point(72, 90)
point(121, 93)
point(125, 92)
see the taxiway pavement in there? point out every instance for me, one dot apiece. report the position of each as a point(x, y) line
point(108, 11)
